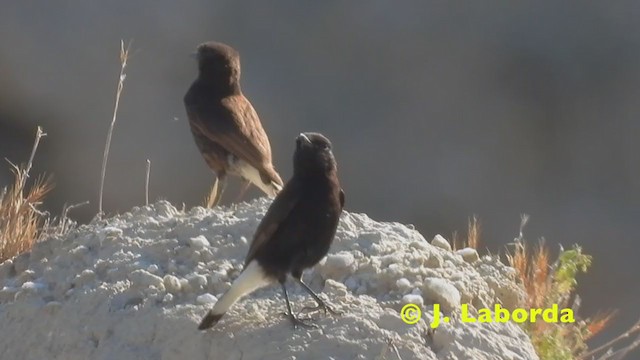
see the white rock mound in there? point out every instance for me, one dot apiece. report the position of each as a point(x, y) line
point(135, 286)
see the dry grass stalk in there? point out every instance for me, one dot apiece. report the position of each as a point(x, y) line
point(455, 240)
point(600, 322)
point(20, 220)
point(59, 226)
point(473, 233)
point(473, 236)
point(124, 56)
point(606, 349)
point(146, 183)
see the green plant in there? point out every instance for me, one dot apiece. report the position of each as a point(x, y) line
point(547, 284)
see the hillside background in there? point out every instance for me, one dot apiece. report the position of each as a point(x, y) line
point(437, 111)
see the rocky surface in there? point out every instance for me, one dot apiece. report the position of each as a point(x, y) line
point(135, 286)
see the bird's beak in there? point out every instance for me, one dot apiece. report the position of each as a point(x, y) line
point(193, 55)
point(304, 138)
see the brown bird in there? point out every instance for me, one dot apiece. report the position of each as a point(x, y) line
point(225, 126)
point(296, 232)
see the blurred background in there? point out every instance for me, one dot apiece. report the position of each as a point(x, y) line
point(437, 111)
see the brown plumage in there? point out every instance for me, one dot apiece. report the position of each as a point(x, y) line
point(297, 230)
point(225, 127)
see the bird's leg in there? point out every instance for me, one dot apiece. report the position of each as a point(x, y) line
point(211, 197)
point(217, 190)
point(222, 187)
point(321, 304)
point(245, 186)
point(295, 321)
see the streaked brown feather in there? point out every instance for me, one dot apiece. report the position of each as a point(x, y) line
point(238, 130)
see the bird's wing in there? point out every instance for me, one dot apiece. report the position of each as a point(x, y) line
point(282, 205)
point(237, 128)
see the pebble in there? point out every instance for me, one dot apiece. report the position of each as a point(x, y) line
point(441, 242)
point(206, 299)
point(145, 279)
point(403, 284)
point(172, 284)
point(468, 254)
point(441, 291)
point(412, 299)
point(199, 242)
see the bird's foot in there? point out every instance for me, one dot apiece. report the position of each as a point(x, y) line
point(300, 322)
point(321, 306)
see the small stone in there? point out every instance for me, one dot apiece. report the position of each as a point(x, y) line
point(164, 209)
point(412, 299)
point(199, 242)
point(197, 281)
point(422, 245)
point(341, 260)
point(206, 299)
point(172, 284)
point(468, 254)
point(337, 266)
point(144, 278)
point(184, 285)
point(217, 277)
point(442, 292)
point(403, 284)
point(441, 242)
point(337, 288)
point(153, 268)
point(434, 261)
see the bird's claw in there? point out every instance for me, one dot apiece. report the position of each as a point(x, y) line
point(298, 322)
point(326, 308)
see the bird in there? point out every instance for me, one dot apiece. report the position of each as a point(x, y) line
point(295, 233)
point(225, 126)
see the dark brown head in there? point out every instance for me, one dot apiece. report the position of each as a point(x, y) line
point(218, 61)
point(313, 155)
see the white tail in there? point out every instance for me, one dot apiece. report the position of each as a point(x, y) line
point(253, 175)
point(249, 280)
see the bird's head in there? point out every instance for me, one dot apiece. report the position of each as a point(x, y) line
point(218, 60)
point(313, 154)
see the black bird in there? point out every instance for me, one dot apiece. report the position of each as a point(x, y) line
point(225, 126)
point(296, 232)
